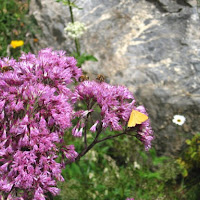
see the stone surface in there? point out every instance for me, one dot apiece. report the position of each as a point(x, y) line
point(151, 46)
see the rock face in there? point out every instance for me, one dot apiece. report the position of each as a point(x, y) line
point(151, 46)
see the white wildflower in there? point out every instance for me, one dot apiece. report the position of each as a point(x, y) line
point(136, 165)
point(179, 120)
point(91, 175)
point(75, 30)
point(105, 170)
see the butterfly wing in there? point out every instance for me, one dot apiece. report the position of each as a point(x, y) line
point(132, 120)
point(136, 118)
point(140, 117)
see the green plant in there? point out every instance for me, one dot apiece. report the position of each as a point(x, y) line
point(83, 57)
point(112, 174)
point(75, 30)
point(190, 159)
point(190, 164)
point(15, 25)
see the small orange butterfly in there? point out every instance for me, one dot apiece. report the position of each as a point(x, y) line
point(136, 118)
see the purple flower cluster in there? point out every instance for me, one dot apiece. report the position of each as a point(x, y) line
point(35, 110)
point(145, 133)
point(115, 102)
point(37, 105)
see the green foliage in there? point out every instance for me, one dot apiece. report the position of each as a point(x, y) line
point(84, 57)
point(80, 57)
point(15, 25)
point(190, 166)
point(120, 168)
point(190, 159)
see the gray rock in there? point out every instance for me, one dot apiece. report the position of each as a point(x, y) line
point(151, 46)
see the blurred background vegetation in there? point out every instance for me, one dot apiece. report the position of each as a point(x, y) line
point(16, 24)
point(118, 168)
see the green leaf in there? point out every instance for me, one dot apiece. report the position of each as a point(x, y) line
point(84, 57)
point(185, 173)
point(188, 142)
point(193, 154)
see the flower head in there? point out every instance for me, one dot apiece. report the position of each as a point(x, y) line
point(115, 102)
point(75, 30)
point(136, 165)
point(179, 120)
point(93, 128)
point(35, 110)
point(145, 133)
point(16, 43)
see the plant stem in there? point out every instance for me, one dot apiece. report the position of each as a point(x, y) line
point(71, 12)
point(95, 141)
point(91, 145)
point(110, 137)
point(85, 131)
point(77, 44)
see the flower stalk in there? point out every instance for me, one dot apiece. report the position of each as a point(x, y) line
point(76, 40)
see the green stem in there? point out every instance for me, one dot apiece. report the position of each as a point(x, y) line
point(70, 10)
point(77, 44)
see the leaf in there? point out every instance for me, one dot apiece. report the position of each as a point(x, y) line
point(193, 154)
point(185, 173)
point(188, 142)
point(159, 160)
point(84, 57)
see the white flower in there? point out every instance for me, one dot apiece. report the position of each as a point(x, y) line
point(136, 165)
point(105, 170)
point(179, 119)
point(91, 175)
point(75, 30)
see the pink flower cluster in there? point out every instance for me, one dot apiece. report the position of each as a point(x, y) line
point(37, 105)
point(115, 103)
point(145, 133)
point(35, 110)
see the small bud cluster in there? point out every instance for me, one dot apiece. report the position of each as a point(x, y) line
point(75, 30)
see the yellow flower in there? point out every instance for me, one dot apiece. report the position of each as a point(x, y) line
point(16, 43)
